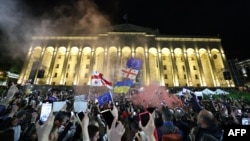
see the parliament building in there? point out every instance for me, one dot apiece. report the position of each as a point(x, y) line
point(174, 61)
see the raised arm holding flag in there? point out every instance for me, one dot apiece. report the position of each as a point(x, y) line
point(97, 79)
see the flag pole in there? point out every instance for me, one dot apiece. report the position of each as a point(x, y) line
point(89, 93)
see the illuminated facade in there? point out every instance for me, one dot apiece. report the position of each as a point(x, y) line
point(243, 67)
point(174, 61)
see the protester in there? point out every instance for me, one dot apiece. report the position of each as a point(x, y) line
point(198, 119)
point(207, 125)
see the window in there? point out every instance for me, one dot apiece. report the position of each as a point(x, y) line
point(74, 75)
point(185, 77)
point(55, 75)
point(53, 83)
point(75, 66)
point(166, 84)
point(163, 57)
point(60, 56)
point(183, 68)
point(87, 66)
point(68, 66)
point(194, 67)
point(165, 67)
point(86, 75)
point(88, 56)
point(165, 76)
point(57, 66)
point(215, 56)
point(196, 76)
point(67, 74)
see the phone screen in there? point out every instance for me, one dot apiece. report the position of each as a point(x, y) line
point(245, 121)
point(116, 103)
point(108, 117)
point(239, 112)
point(58, 105)
point(144, 118)
point(45, 111)
point(72, 113)
point(80, 106)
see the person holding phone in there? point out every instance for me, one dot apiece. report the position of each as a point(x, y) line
point(149, 128)
point(116, 131)
point(43, 131)
point(84, 125)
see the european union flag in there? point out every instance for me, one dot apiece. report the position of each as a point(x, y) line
point(52, 99)
point(104, 98)
point(134, 63)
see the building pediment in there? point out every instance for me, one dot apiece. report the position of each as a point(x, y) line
point(132, 28)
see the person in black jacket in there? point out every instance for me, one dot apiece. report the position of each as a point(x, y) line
point(207, 125)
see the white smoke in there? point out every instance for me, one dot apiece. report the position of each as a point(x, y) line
point(18, 24)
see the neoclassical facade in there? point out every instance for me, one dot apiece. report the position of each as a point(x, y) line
point(244, 69)
point(174, 61)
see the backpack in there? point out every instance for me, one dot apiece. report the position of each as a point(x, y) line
point(170, 133)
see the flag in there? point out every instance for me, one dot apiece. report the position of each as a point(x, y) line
point(51, 98)
point(97, 79)
point(104, 98)
point(134, 63)
point(129, 73)
point(122, 86)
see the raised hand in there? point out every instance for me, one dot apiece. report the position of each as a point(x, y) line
point(43, 131)
point(116, 131)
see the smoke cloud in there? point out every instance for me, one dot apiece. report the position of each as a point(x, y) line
point(18, 25)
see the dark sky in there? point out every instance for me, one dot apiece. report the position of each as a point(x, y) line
point(227, 19)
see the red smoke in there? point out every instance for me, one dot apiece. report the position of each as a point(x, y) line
point(155, 95)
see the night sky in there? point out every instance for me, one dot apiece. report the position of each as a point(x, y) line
point(226, 19)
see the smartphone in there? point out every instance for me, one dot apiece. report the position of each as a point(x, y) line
point(144, 118)
point(72, 113)
point(58, 105)
point(108, 117)
point(80, 106)
point(245, 121)
point(116, 103)
point(80, 115)
point(45, 112)
point(239, 112)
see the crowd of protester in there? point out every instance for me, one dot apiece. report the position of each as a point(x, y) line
point(197, 120)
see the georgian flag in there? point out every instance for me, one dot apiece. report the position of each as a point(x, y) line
point(129, 73)
point(97, 79)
